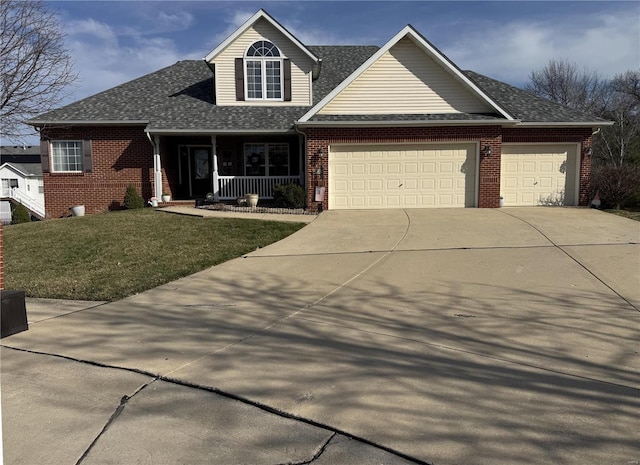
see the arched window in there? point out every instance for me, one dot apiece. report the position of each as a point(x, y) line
point(263, 71)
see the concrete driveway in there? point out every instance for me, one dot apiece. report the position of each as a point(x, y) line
point(468, 336)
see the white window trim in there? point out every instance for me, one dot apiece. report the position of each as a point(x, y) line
point(52, 157)
point(263, 74)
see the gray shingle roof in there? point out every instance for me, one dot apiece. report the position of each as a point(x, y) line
point(180, 98)
point(31, 169)
point(526, 106)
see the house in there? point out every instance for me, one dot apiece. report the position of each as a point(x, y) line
point(397, 126)
point(21, 181)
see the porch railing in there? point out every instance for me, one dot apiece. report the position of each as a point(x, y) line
point(232, 187)
point(34, 205)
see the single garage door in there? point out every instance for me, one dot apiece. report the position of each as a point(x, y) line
point(402, 176)
point(539, 174)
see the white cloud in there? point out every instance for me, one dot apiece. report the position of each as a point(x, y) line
point(180, 21)
point(103, 61)
point(510, 51)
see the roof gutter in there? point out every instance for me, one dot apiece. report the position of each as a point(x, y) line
point(589, 124)
point(169, 132)
point(416, 123)
point(88, 123)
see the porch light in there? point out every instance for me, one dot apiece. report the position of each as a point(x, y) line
point(320, 152)
point(486, 151)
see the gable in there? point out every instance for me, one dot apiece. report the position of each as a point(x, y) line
point(405, 80)
point(224, 63)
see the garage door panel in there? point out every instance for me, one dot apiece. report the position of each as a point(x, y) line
point(539, 174)
point(375, 185)
point(403, 176)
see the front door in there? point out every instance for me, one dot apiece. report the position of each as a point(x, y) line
point(196, 169)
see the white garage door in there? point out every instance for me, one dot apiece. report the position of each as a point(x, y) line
point(402, 176)
point(539, 174)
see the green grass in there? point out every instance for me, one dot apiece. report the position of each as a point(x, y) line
point(114, 255)
point(634, 215)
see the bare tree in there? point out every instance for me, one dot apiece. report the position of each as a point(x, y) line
point(35, 67)
point(562, 82)
point(620, 143)
point(616, 148)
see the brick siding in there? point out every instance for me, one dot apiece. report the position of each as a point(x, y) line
point(319, 139)
point(121, 156)
point(124, 155)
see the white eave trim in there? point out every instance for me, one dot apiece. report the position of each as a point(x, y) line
point(169, 132)
point(586, 124)
point(405, 123)
point(260, 14)
point(88, 123)
point(430, 50)
point(8, 165)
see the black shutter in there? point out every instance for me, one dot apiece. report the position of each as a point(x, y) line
point(88, 162)
point(44, 156)
point(239, 79)
point(286, 64)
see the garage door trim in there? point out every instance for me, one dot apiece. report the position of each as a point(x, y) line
point(474, 149)
point(578, 151)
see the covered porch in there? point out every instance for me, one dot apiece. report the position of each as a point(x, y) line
point(190, 167)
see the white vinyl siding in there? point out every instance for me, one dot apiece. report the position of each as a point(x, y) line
point(402, 176)
point(405, 80)
point(301, 66)
point(539, 174)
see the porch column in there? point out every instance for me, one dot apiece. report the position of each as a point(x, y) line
point(214, 151)
point(157, 169)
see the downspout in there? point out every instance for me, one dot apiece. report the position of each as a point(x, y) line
point(157, 166)
point(303, 155)
point(215, 174)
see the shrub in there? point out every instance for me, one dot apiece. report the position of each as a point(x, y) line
point(133, 200)
point(616, 184)
point(20, 214)
point(289, 196)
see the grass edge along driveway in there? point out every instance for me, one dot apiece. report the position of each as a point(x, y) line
point(113, 255)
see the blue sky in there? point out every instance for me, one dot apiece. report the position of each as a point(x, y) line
point(113, 42)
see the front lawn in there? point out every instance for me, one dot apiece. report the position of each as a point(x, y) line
point(114, 255)
point(634, 215)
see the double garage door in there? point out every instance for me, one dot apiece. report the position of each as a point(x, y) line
point(446, 175)
point(402, 176)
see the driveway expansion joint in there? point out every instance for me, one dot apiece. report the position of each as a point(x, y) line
point(175, 381)
point(114, 416)
point(578, 262)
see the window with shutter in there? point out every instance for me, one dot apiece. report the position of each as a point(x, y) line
point(263, 72)
point(68, 156)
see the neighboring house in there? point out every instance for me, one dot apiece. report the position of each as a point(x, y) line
point(399, 126)
point(21, 181)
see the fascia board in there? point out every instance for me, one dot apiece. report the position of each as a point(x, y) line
point(250, 22)
point(589, 124)
point(19, 172)
point(37, 123)
point(430, 49)
point(168, 132)
point(408, 124)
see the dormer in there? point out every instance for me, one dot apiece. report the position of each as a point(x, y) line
point(262, 63)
